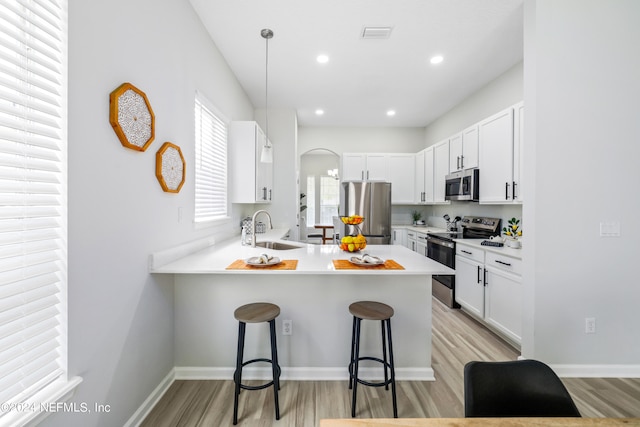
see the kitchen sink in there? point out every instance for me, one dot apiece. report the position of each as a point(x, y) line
point(276, 246)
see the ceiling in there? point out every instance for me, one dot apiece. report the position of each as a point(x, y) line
point(364, 78)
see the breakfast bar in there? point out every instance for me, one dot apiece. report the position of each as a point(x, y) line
point(314, 291)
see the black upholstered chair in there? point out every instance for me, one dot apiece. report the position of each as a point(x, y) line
point(522, 388)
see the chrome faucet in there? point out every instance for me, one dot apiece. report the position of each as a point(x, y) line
point(253, 225)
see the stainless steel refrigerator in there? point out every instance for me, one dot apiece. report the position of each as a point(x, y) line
point(372, 200)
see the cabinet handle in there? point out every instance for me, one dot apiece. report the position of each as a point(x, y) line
point(264, 193)
point(506, 191)
point(424, 196)
point(367, 175)
point(362, 175)
point(485, 277)
point(466, 252)
point(503, 263)
point(458, 162)
point(479, 269)
point(461, 162)
point(269, 194)
point(513, 190)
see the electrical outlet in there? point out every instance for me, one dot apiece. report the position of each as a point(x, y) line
point(590, 325)
point(287, 327)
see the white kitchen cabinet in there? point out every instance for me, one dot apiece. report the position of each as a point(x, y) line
point(470, 292)
point(399, 236)
point(503, 307)
point(463, 150)
point(518, 158)
point(499, 159)
point(365, 166)
point(424, 177)
point(250, 180)
point(421, 243)
point(440, 170)
point(489, 286)
point(401, 175)
point(455, 152)
point(411, 240)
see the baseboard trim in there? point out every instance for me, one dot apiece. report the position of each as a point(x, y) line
point(597, 371)
point(299, 374)
point(138, 417)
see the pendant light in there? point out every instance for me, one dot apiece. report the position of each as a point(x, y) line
point(266, 155)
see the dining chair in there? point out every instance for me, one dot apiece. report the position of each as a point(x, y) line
point(521, 388)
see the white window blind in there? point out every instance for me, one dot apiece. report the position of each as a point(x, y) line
point(32, 200)
point(211, 162)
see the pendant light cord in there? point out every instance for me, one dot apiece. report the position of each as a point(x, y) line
point(267, 34)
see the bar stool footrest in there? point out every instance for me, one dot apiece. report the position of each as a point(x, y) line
point(367, 383)
point(256, 387)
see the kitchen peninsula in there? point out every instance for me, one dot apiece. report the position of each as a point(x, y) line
point(315, 297)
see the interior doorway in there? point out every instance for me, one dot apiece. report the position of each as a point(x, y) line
point(319, 194)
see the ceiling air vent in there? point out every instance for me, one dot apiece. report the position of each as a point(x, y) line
point(376, 32)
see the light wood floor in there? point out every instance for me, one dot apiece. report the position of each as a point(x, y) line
point(457, 339)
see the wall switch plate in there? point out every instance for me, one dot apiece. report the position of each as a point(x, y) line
point(590, 325)
point(287, 327)
point(609, 228)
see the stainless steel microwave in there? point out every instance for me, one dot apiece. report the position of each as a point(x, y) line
point(463, 185)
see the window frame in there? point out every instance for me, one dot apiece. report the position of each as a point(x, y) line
point(209, 107)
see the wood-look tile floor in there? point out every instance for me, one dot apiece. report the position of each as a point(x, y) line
point(457, 339)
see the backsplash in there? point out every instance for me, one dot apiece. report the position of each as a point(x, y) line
point(401, 214)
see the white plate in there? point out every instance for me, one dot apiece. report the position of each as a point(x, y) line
point(358, 261)
point(255, 262)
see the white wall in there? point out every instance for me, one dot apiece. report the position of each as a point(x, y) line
point(361, 139)
point(121, 332)
point(499, 94)
point(582, 128)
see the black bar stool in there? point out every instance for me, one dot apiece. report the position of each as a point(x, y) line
point(256, 313)
point(371, 310)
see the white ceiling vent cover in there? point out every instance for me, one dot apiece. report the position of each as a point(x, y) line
point(376, 32)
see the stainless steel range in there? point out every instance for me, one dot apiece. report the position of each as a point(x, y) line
point(442, 248)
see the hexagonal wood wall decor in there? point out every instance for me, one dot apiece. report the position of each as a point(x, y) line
point(131, 117)
point(170, 167)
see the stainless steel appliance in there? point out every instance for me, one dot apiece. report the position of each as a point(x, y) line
point(372, 200)
point(463, 185)
point(442, 248)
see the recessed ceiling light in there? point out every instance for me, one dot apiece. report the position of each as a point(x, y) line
point(319, 112)
point(391, 113)
point(323, 59)
point(436, 59)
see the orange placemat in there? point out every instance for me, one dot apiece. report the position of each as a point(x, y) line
point(286, 264)
point(344, 264)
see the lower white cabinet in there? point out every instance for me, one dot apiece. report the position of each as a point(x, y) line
point(421, 243)
point(470, 279)
point(399, 236)
point(411, 240)
point(489, 286)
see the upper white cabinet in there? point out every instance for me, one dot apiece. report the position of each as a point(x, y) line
point(251, 181)
point(401, 175)
point(463, 150)
point(518, 158)
point(365, 167)
point(396, 168)
point(499, 179)
point(440, 170)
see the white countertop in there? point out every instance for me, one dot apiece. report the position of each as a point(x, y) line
point(312, 259)
point(420, 228)
point(505, 250)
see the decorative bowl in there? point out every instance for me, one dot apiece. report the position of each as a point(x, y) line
point(353, 243)
point(352, 219)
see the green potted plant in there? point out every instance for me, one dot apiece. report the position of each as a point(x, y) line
point(512, 233)
point(416, 216)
